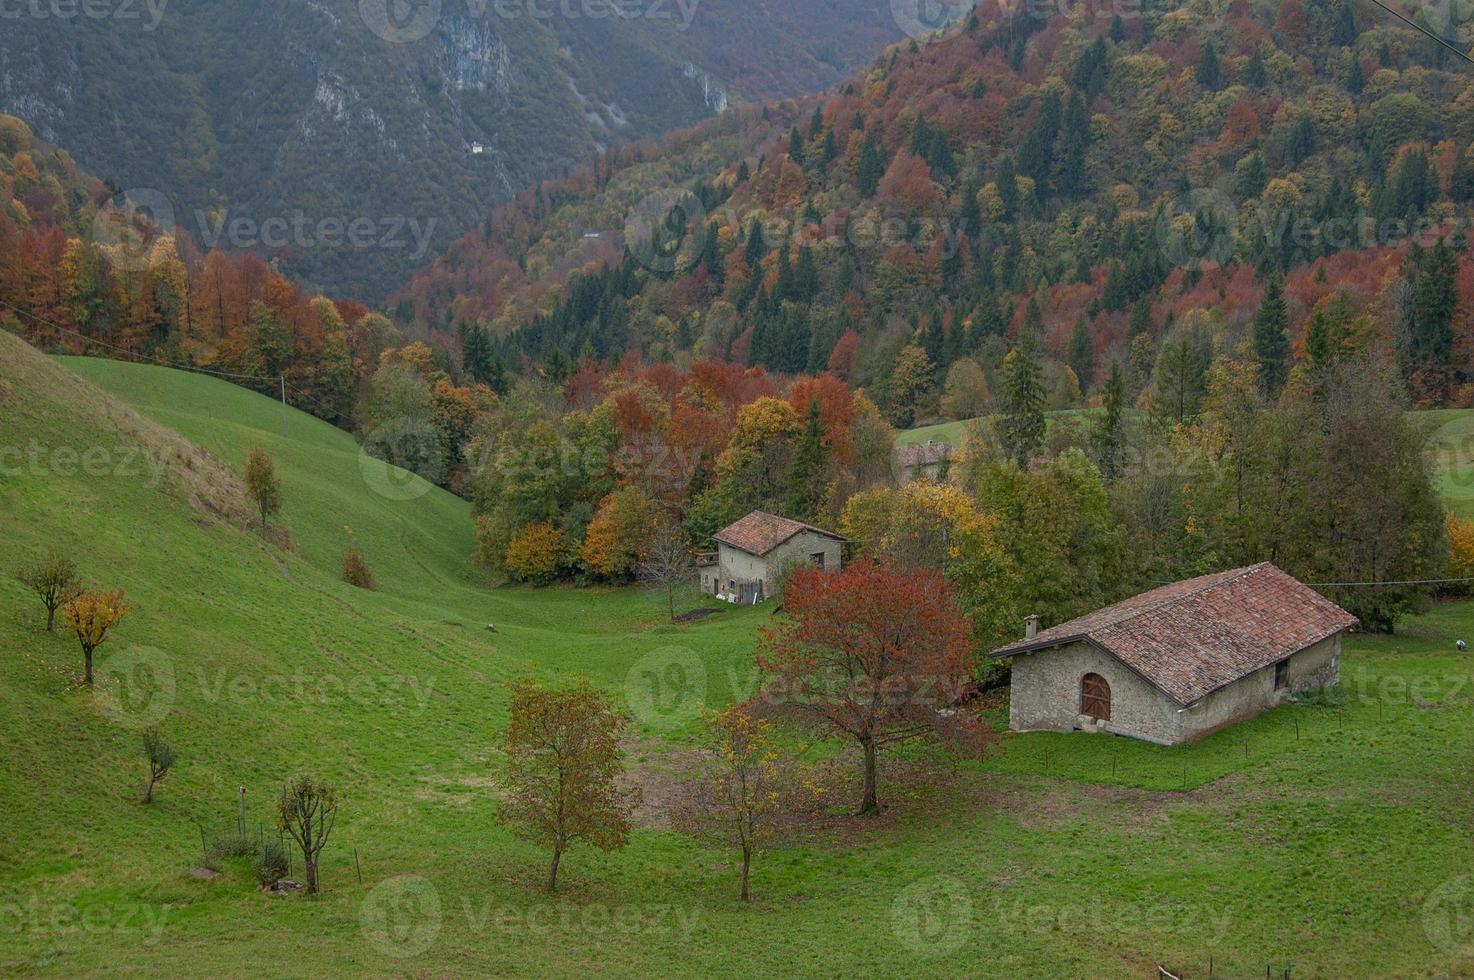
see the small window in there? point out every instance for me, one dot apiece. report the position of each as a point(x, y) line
point(1281, 675)
point(1095, 697)
point(817, 558)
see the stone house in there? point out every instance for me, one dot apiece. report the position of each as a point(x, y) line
point(929, 460)
point(754, 553)
point(1176, 663)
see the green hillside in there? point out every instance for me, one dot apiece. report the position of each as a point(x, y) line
point(1333, 839)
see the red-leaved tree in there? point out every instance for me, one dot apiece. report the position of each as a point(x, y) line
point(874, 653)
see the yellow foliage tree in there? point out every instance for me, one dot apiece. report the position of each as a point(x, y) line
point(534, 551)
point(616, 539)
point(1461, 549)
point(91, 615)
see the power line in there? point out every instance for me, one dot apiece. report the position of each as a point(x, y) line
point(1423, 30)
point(1411, 581)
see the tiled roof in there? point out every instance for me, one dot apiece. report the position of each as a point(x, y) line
point(760, 533)
point(1192, 638)
point(923, 454)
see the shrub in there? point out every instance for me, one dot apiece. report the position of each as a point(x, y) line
point(532, 555)
point(54, 580)
point(270, 863)
point(355, 569)
point(1461, 554)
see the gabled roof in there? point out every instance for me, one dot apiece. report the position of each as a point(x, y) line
point(760, 533)
point(1191, 638)
point(923, 454)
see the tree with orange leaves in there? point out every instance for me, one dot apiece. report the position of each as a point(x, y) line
point(91, 615)
point(874, 653)
point(748, 792)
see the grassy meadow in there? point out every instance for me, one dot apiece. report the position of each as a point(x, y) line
point(1338, 839)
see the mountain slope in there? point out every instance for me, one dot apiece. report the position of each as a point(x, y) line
point(1136, 172)
point(331, 112)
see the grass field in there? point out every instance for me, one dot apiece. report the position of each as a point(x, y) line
point(956, 432)
point(1334, 839)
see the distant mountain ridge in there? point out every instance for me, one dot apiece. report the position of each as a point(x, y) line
point(257, 122)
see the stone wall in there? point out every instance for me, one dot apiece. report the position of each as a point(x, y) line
point(1045, 693)
point(737, 568)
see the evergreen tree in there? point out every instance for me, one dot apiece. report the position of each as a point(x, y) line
point(1271, 337)
point(806, 474)
point(1302, 140)
point(1181, 371)
point(1210, 69)
point(1432, 302)
point(1256, 76)
point(805, 276)
point(756, 248)
point(1109, 436)
point(796, 146)
point(829, 149)
point(1141, 320)
point(1007, 181)
point(1081, 354)
point(934, 342)
point(1346, 32)
point(1022, 426)
point(476, 353)
point(711, 254)
point(1075, 141)
point(816, 122)
point(871, 166)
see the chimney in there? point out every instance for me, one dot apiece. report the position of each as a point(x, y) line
point(1032, 628)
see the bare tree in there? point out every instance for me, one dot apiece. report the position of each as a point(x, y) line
point(668, 564)
point(54, 580)
point(307, 810)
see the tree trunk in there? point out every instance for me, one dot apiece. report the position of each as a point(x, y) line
point(869, 806)
point(50, 618)
point(746, 866)
point(87, 655)
point(310, 864)
point(553, 871)
point(148, 793)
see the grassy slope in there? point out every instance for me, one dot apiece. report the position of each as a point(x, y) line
point(1063, 855)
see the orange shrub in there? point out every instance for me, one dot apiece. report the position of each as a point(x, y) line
point(532, 555)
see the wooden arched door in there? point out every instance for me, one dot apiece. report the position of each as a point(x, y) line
point(1095, 697)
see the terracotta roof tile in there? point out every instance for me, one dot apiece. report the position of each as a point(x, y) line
point(760, 533)
point(1192, 638)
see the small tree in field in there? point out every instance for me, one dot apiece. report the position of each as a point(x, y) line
point(668, 564)
point(160, 756)
point(563, 758)
point(307, 811)
point(355, 570)
point(54, 580)
point(263, 485)
point(91, 616)
point(748, 793)
point(873, 653)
